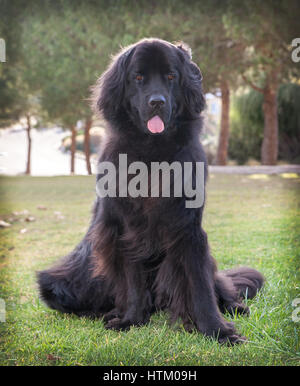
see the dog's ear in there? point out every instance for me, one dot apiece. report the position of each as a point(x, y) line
point(185, 49)
point(191, 81)
point(108, 93)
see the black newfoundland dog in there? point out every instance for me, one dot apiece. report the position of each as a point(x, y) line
point(146, 254)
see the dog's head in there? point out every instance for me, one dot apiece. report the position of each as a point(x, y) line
point(151, 84)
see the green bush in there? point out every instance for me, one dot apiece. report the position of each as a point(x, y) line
point(289, 122)
point(95, 141)
point(246, 127)
point(247, 124)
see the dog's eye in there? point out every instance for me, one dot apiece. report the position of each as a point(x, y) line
point(139, 77)
point(171, 76)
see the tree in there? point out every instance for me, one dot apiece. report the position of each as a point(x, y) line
point(219, 57)
point(88, 125)
point(15, 96)
point(62, 46)
point(247, 122)
point(11, 105)
point(266, 30)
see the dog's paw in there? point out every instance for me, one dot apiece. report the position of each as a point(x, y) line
point(188, 325)
point(123, 324)
point(232, 339)
point(238, 308)
point(111, 315)
point(118, 324)
point(228, 335)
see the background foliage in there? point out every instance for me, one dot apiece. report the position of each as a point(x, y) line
point(247, 121)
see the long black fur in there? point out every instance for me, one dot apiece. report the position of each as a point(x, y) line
point(144, 254)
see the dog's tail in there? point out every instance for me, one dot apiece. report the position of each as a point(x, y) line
point(247, 281)
point(68, 286)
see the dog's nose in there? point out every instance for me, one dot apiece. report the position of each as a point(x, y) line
point(157, 100)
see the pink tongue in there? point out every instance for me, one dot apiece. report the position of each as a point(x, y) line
point(155, 125)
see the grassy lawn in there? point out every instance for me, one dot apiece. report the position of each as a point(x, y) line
point(252, 222)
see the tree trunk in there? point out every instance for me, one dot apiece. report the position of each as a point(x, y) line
point(28, 130)
point(88, 125)
point(269, 150)
point(224, 129)
point(73, 149)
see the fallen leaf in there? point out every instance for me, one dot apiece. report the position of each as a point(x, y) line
point(23, 212)
point(58, 215)
point(41, 207)
point(13, 219)
point(4, 224)
point(51, 357)
point(30, 219)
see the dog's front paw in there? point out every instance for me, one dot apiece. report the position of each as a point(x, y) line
point(123, 324)
point(232, 339)
point(111, 315)
point(118, 324)
point(229, 336)
point(238, 308)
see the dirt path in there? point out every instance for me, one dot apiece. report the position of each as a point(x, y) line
point(47, 158)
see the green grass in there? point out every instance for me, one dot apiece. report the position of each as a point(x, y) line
point(249, 222)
